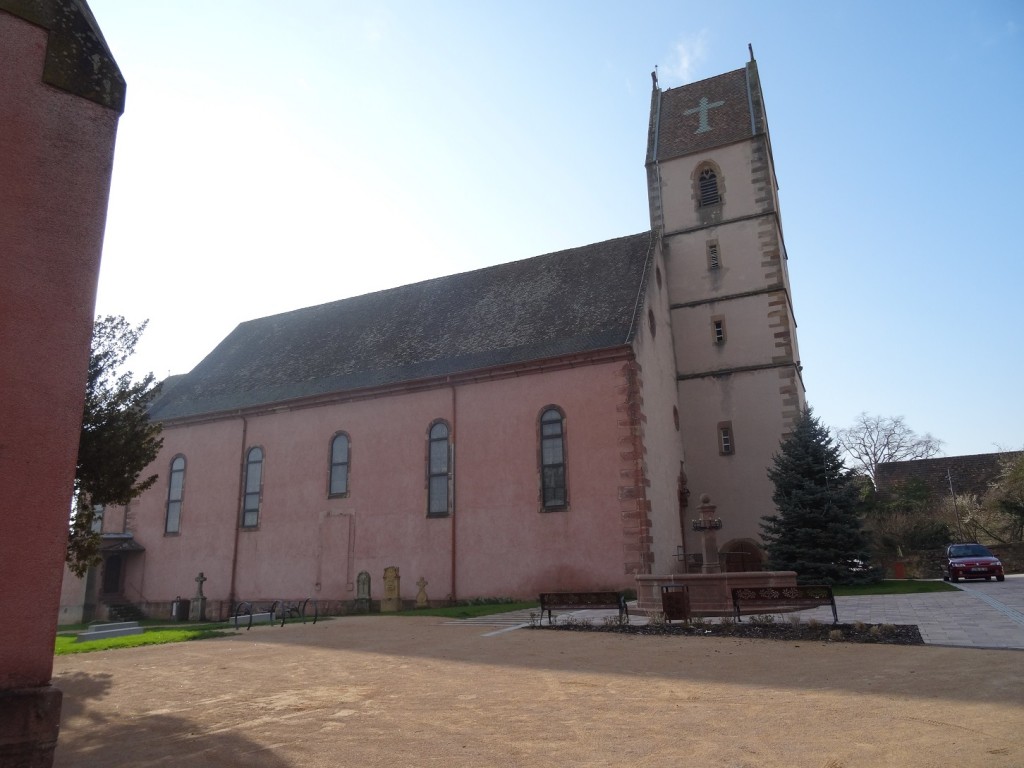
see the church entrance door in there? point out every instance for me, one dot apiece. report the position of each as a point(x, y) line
point(112, 575)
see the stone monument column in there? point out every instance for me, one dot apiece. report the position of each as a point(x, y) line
point(706, 525)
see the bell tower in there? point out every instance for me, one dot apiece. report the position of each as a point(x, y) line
point(714, 199)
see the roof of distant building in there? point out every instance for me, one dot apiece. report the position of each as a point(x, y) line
point(570, 302)
point(970, 475)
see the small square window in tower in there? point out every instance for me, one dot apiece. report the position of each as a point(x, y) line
point(726, 446)
point(718, 329)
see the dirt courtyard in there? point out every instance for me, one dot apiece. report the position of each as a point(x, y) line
point(398, 691)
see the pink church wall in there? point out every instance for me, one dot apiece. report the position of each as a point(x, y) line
point(311, 545)
point(56, 151)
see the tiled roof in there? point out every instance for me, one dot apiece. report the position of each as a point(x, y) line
point(580, 300)
point(723, 101)
point(972, 474)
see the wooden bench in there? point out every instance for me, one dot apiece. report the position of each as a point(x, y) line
point(781, 598)
point(581, 600)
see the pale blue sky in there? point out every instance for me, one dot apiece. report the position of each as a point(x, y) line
point(274, 156)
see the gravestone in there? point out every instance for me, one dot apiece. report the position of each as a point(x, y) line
point(392, 601)
point(421, 596)
point(197, 608)
point(363, 592)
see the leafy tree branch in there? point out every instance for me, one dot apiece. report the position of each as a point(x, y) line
point(118, 440)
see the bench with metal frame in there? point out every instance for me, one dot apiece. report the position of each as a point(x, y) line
point(279, 609)
point(583, 600)
point(783, 598)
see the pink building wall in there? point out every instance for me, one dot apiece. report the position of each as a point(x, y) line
point(310, 545)
point(56, 152)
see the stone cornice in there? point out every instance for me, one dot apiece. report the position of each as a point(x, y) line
point(78, 60)
point(610, 355)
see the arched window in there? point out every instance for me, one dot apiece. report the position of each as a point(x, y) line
point(552, 459)
point(438, 470)
point(707, 187)
point(253, 486)
point(339, 466)
point(175, 494)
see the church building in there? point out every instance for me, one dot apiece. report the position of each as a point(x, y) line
point(542, 425)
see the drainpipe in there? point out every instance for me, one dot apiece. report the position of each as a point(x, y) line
point(455, 517)
point(238, 512)
point(350, 549)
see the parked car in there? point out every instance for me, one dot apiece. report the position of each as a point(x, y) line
point(971, 561)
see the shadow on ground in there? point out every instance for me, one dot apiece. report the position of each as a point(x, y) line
point(91, 734)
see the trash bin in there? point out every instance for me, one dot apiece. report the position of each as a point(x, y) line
point(675, 602)
point(179, 609)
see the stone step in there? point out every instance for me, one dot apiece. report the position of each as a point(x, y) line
point(105, 631)
point(257, 618)
point(113, 625)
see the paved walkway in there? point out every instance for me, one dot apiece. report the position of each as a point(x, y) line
point(982, 614)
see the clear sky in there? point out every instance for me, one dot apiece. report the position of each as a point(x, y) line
point(274, 156)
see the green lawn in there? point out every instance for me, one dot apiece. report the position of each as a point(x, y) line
point(66, 643)
point(893, 587)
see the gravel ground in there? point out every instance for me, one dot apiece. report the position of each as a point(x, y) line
point(380, 692)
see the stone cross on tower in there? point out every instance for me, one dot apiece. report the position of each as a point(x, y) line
point(703, 108)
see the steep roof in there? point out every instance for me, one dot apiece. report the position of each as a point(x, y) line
point(972, 474)
point(580, 300)
point(709, 113)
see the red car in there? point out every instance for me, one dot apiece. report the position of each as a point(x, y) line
point(971, 561)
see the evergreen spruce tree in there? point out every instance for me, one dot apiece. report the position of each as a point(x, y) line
point(817, 531)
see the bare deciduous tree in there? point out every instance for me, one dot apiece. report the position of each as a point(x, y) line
point(876, 439)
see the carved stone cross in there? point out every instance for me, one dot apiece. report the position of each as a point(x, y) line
point(703, 108)
point(199, 581)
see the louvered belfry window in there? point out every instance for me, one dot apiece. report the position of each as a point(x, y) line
point(713, 260)
point(709, 188)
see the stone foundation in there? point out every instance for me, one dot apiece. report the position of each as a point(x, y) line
point(710, 593)
point(29, 724)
